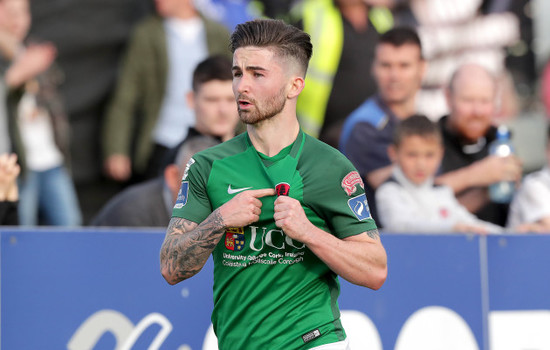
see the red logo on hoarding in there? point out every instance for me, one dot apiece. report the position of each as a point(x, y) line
point(350, 181)
point(282, 189)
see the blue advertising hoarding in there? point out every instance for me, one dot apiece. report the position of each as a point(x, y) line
point(52, 282)
point(100, 289)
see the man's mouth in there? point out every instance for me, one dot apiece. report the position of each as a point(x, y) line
point(244, 104)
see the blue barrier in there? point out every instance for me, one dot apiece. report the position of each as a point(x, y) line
point(100, 289)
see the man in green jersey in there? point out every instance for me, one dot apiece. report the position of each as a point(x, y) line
point(281, 213)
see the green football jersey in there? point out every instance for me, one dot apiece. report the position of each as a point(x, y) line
point(270, 291)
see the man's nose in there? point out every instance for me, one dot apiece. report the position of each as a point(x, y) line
point(242, 85)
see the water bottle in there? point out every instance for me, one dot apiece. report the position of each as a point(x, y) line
point(502, 192)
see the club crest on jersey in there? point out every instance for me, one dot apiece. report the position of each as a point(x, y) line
point(282, 189)
point(186, 172)
point(350, 182)
point(182, 195)
point(360, 207)
point(234, 238)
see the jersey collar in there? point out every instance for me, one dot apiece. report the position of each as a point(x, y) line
point(294, 150)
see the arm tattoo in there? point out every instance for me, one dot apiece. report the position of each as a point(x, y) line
point(187, 246)
point(374, 234)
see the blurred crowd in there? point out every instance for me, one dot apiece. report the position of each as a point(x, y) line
point(102, 105)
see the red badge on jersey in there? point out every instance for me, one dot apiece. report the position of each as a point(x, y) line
point(234, 238)
point(444, 213)
point(350, 182)
point(282, 189)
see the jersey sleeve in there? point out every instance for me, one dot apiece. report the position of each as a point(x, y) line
point(193, 202)
point(339, 198)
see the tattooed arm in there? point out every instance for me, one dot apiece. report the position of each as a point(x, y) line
point(187, 246)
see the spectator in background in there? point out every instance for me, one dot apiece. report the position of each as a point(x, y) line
point(149, 204)
point(38, 127)
point(16, 68)
point(212, 101)
point(216, 116)
point(530, 208)
point(457, 32)
point(409, 201)
point(148, 109)
point(467, 131)
point(398, 69)
point(9, 194)
point(343, 33)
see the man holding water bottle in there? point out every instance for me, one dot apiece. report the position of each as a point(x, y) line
point(468, 131)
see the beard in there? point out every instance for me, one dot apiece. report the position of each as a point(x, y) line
point(272, 106)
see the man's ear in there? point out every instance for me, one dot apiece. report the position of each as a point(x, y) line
point(190, 99)
point(296, 87)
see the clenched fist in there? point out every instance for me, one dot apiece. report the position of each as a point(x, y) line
point(290, 216)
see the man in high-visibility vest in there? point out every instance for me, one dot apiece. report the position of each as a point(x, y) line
point(344, 34)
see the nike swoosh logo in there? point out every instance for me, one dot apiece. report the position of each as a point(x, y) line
point(236, 190)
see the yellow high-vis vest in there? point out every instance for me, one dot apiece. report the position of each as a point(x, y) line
point(323, 22)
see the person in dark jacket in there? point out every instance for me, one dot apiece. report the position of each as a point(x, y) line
point(149, 204)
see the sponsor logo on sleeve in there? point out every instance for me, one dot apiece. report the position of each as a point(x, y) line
point(282, 189)
point(234, 238)
point(182, 195)
point(350, 181)
point(360, 207)
point(186, 172)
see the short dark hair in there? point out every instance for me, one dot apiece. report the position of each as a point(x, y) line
point(286, 39)
point(416, 125)
point(212, 68)
point(399, 36)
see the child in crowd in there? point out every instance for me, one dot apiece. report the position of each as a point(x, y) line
point(530, 208)
point(409, 201)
